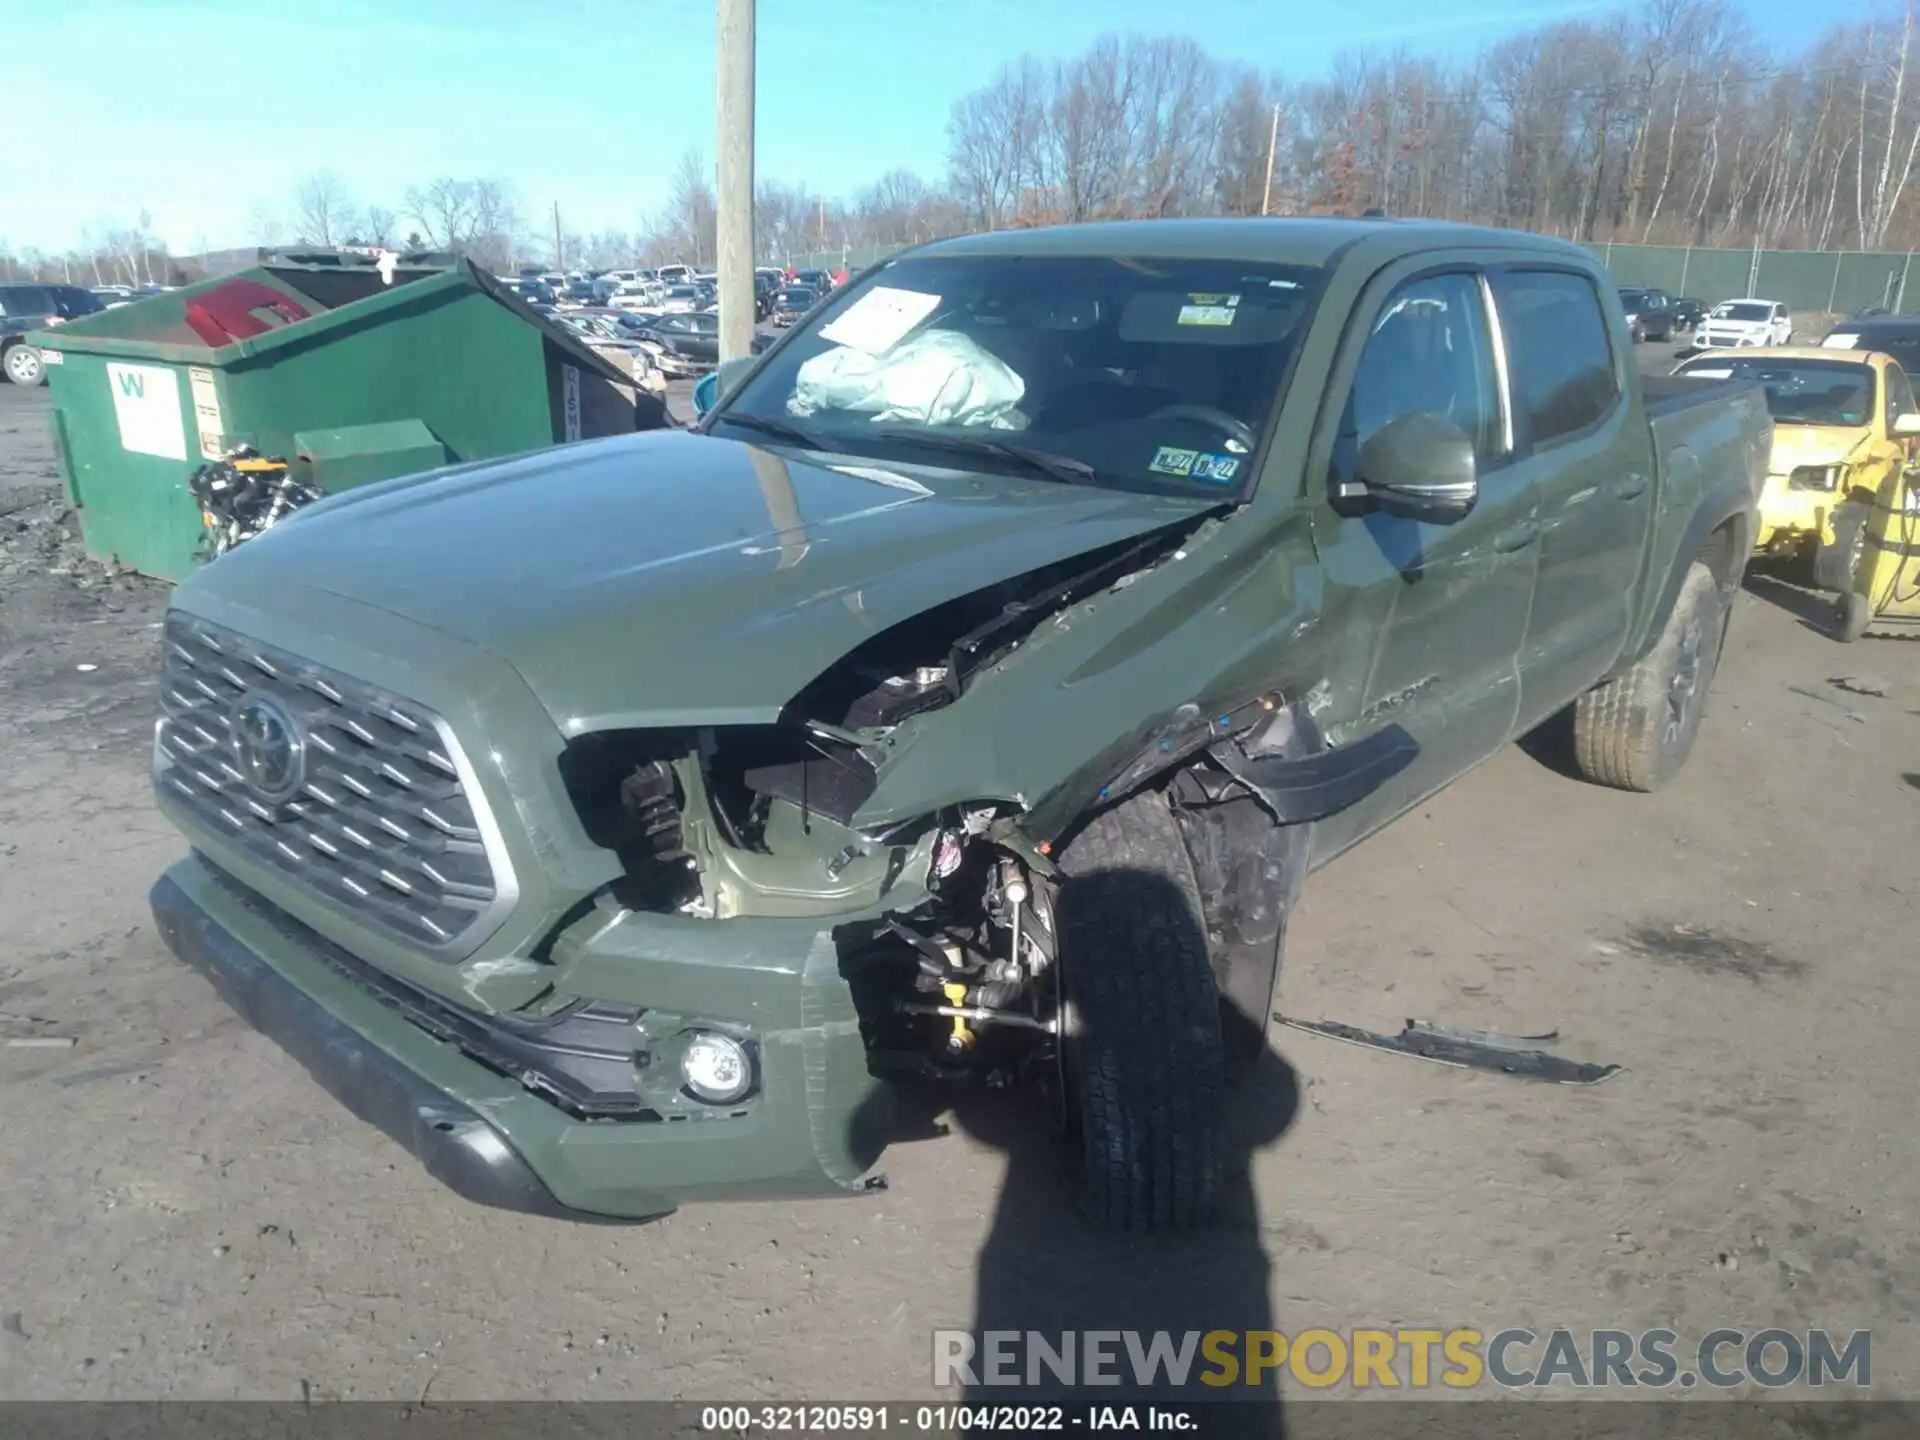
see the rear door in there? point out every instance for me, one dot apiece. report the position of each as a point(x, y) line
point(1442, 608)
point(1585, 448)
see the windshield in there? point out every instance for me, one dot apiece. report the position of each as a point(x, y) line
point(1801, 392)
point(1142, 373)
point(796, 297)
point(1633, 299)
point(1735, 310)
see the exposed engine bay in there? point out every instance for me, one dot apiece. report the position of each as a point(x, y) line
point(945, 922)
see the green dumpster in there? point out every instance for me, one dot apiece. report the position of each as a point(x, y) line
point(350, 374)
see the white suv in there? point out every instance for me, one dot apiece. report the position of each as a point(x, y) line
point(1741, 324)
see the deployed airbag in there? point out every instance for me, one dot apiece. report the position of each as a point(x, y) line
point(938, 377)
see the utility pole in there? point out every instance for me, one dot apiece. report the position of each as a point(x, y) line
point(1273, 144)
point(735, 227)
point(559, 245)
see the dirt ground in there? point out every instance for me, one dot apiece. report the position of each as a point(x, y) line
point(184, 1214)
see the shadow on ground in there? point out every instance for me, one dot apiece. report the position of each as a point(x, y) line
point(1046, 1269)
point(1783, 585)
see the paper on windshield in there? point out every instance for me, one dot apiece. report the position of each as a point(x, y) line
point(876, 321)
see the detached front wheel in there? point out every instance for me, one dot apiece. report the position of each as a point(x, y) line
point(1145, 1064)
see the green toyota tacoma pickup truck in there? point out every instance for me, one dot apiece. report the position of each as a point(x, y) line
point(966, 695)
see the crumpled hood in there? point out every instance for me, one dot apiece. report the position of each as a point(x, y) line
point(671, 578)
point(1797, 445)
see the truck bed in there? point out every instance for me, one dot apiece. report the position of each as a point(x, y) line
point(1664, 394)
point(1719, 426)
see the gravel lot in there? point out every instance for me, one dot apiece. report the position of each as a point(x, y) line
point(184, 1214)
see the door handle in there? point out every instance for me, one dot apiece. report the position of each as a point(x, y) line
point(1630, 487)
point(1518, 538)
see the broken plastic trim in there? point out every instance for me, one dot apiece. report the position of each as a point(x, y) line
point(1311, 787)
point(1465, 1049)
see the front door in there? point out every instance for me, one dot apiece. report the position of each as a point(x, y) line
point(1439, 609)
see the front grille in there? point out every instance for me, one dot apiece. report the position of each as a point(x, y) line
point(380, 824)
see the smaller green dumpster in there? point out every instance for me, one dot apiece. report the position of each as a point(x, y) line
point(349, 373)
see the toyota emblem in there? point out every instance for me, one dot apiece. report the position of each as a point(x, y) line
point(271, 754)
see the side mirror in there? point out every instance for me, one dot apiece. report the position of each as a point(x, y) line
point(1907, 425)
point(717, 382)
point(1420, 467)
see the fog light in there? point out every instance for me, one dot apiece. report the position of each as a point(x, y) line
point(716, 1068)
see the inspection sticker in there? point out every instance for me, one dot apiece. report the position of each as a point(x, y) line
point(1215, 467)
point(1209, 310)
point(1170, 460)
point(876, 321)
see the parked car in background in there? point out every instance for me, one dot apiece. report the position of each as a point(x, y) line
point(792, 303)
point(1844, 427)
point(25, 308)
point(680, 299)
point(1649, 313)
point(612, 341)
point(1738, 324)
point(818, 281)
point(1895, 335)
point(1687, 314)
point(676, 274)
point(531, 289)
point(683, 344)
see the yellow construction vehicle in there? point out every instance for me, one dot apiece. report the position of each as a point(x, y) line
point(1881, 536)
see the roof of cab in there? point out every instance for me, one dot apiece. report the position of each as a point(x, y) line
point(1849, 356)
point(1292, 240)
point(1872, 323)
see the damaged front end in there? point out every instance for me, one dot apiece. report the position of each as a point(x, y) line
point(941, 923)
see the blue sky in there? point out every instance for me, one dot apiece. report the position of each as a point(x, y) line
point(198, 110)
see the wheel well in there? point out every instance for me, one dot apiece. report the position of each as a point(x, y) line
point(1725, 553)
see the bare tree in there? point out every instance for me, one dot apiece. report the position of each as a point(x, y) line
point(323, 209)
point(381, 226)
point(444, 211)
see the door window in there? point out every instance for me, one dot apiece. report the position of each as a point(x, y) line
point(1428, 351)
point(1899, 395)
point(1558, 353)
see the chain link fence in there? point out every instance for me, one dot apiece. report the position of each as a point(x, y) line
point(1836, 281)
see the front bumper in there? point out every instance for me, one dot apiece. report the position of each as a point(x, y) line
point(816, 1125)
point(1794, 517)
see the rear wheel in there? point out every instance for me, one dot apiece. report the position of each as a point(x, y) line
point(1145, 1067)
point(22, 364)
point(1634, 732)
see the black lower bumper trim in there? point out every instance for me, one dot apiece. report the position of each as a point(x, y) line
point(454, 1142)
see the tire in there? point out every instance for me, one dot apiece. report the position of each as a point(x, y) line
point(1852, 614)
point(1836, 567)
point(1635, 731)
point(1145, 1061)
point(22, 364)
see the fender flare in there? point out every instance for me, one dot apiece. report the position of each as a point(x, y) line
point(1716, 508)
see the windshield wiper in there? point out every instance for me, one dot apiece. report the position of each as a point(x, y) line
point(768, 425)
point(1041, 462)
